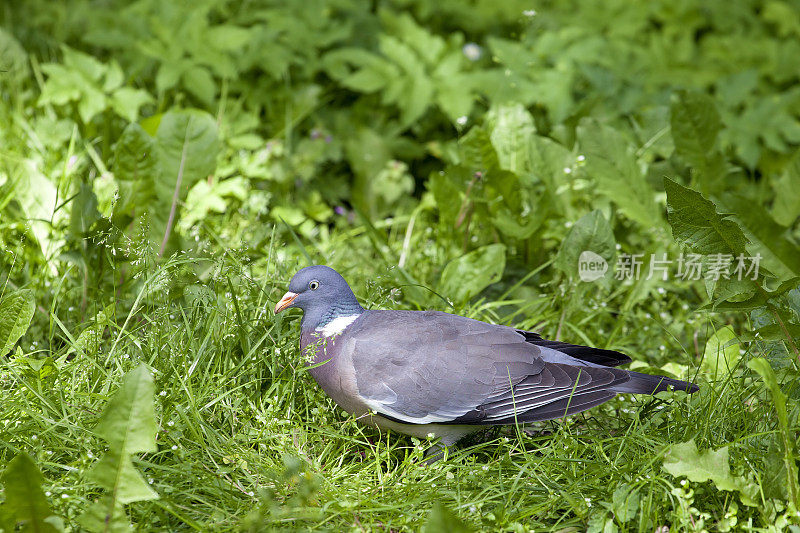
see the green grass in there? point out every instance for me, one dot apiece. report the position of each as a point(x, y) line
point(369, 139)
point(246, 438)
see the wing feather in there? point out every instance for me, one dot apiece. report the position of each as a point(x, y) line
point(433, 367)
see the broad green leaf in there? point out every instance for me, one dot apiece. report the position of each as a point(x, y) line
point(780, 255)
point(205, 198)
point(721, 353)
point(187, 146)
point(13, 58)
point(612, 163)
point(588, 251)
point(695, 124)
point(366, 80)
point(455, 93)
point(789, 436)
point(114, 77)
point(685, 460)
point(127, 101)
point(761, 366)
point(368, 152)
point(89, 66)
point(773, 332)
point(84, 211)
point(25, 503)
point(359, 69)
point(443, 520)
point(696, 223)
point(38, 197)
point(448, 187)
point(511, 128)
point(135, 157)
point(198, 81)
point(758, 299)
point(786, 207)
point(413, 90)
point(88, 342)
point(625, 502)
point(136, 169)
point(519, 225)
point(107, 516)
point(468, 275)
point(477, 152)
point(128, 424)
point(774, 475)
point(62, 85)
point(548, 160)
point(16, 313)
point(117, 472)
point(169, 74)
point(228, 36)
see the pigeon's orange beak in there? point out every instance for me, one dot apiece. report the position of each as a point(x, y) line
point(285, 302)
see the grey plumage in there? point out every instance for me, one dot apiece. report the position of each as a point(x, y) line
point(421, 372)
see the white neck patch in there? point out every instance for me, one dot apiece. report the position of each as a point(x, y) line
point(337, 325)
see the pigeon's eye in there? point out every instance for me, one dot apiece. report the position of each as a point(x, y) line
point(313, 285)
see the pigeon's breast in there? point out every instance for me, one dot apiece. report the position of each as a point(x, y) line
point(332, 369)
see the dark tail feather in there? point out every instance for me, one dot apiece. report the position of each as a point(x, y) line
point(649, 384)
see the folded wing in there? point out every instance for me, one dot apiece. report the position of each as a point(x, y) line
point(434, 367)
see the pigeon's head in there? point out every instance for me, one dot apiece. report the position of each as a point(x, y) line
point(322, 294)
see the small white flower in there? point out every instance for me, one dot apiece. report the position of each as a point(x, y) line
point(431, 435)
point(174, 447)
point(662, 347)
point(162, 393)
point(34, 437)
point(581, 158)
point(661, 290)
point(472, 51)
point(65, 496)
point(567, 170)
point(529, 12)
point(89, 455)
point(683, 483)
point(170, 423)
point(461, 120)
point(48, 493)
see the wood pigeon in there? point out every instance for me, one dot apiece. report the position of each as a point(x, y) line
point(429, 372)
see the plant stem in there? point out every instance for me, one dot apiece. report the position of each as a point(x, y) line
point(174, 206)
